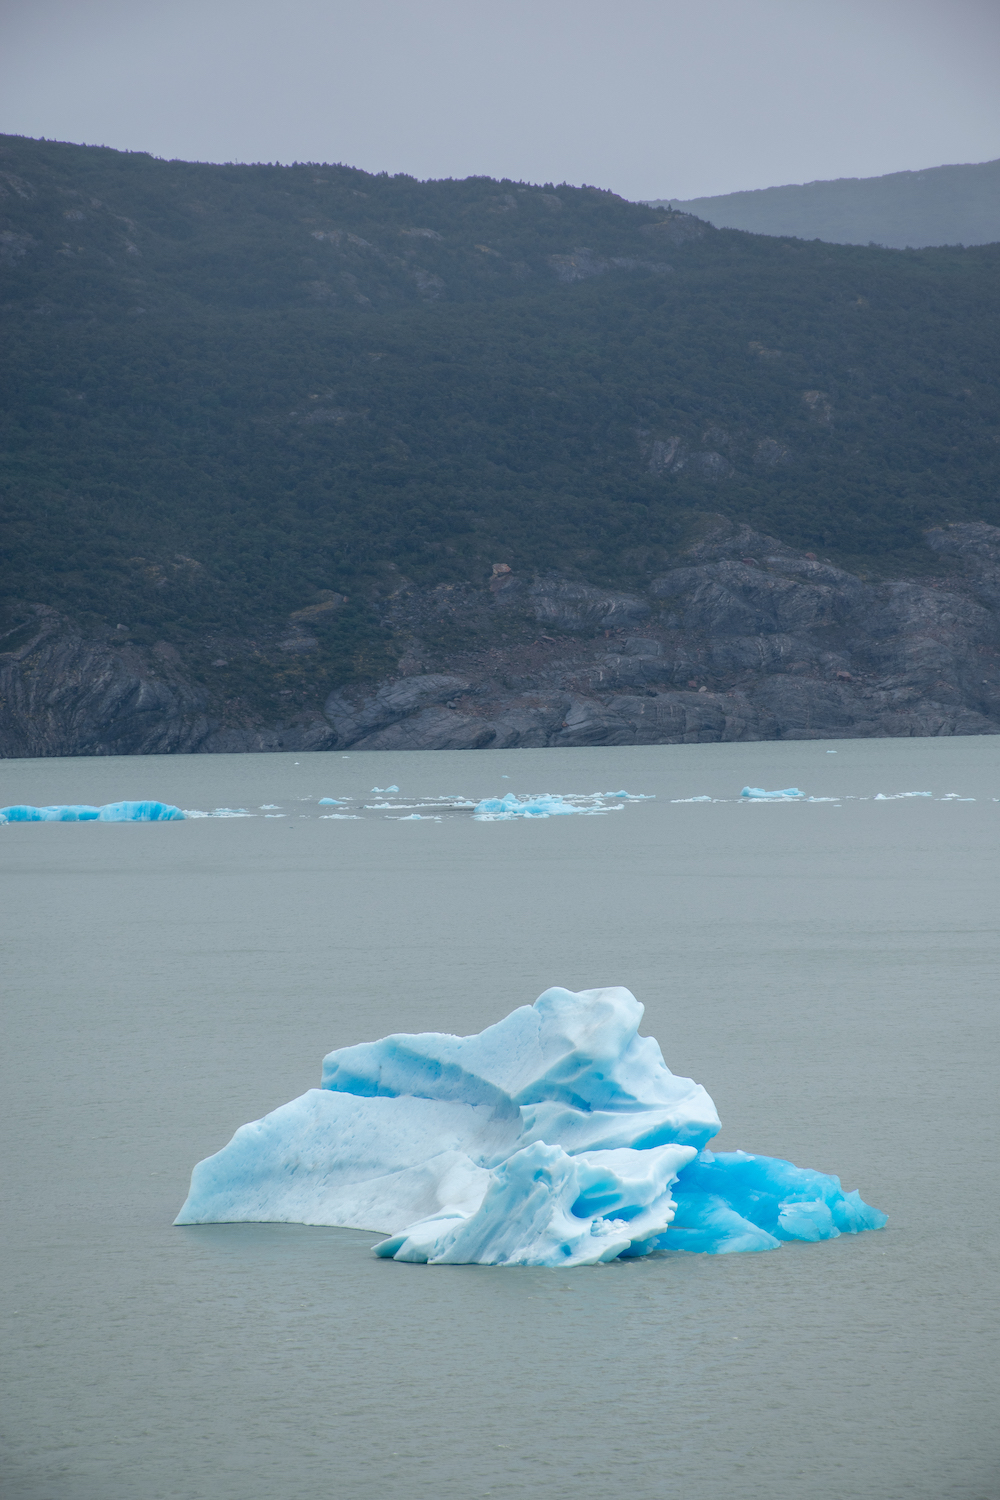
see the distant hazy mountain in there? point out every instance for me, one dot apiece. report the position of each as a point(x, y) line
point(940, 206)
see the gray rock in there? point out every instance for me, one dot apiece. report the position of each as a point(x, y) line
point(354, 720)
point(778, 643)
point(616, 672)
point(978, 546)
point(739, 598)
point(687, 719)
point(315, 735)
point(568, 605)
point(640, 645)
point(530, 723)
point(431, 729)
point(588, 722)
point(62, 695)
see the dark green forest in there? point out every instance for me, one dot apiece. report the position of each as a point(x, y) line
point(229, 390)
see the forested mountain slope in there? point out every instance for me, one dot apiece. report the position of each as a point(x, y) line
point(958, 205)
point(232, 395)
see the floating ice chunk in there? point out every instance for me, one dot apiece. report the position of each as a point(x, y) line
point(758, 794)
point(499, 809)
point(557, 1137)
point(417, 818)
point(112, 812)
point(385, 790)
point(690, 799)
point(220, 812)
point(332, 801)
point(895, 796)
point(339, 817)
point(734, 1201)
point(545, 1208)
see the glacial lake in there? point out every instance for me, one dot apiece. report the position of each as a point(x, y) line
point(828, 970)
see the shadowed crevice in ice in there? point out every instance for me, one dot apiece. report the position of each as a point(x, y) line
point(112, 812)
point(557, 1137)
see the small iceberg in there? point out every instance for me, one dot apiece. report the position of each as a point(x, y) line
point(383, 791)
point(557, 1137)
point(552, 805)
point(332, 801)
point(500, 809)
point(111, 812)
point(757, 794)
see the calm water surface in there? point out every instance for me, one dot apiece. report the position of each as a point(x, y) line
point(827, 970)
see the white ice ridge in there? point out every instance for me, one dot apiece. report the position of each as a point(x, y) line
point(112, 812)
point(557, 1137)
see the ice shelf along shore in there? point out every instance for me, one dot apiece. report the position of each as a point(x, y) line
point(557, 1137)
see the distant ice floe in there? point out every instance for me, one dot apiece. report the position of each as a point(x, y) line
point(383, 791)
point(757, 794)
point(895, 796)
point(222, 812)
point(557, 1137)
point(111, 812)
point(551, 805)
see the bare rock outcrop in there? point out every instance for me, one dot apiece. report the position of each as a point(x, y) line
point(745, 638)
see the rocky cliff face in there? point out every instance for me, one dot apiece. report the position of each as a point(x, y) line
point(745, 639)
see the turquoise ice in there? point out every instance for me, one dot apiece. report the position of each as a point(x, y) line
point(557, 1137)
point(112, 812)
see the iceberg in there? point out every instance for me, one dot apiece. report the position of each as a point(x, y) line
point(501, 809)
point(557, 1137)
point(112, 812)
point(548, 805)
point(758, 794)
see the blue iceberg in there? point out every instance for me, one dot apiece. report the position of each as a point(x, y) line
point(758, 794)
point(112, 812)
point(501, 809)
point(557, 1137)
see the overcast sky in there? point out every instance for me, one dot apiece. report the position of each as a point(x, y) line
point(652, 98)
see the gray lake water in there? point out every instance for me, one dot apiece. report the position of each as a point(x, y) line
point(827, 970)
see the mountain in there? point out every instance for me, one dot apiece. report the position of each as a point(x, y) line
point(957, 205)
point(266, 434)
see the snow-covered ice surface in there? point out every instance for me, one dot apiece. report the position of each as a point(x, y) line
point(557, 1137)
point(112, 812)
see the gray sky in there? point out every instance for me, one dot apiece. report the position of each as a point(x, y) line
point(653, 98)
